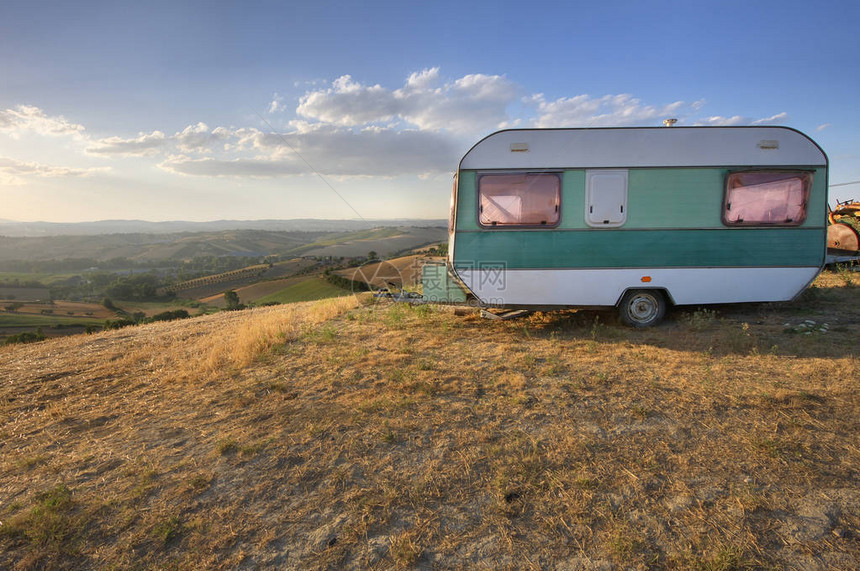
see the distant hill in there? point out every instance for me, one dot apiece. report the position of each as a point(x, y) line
point(241, 243)
point(29, 229)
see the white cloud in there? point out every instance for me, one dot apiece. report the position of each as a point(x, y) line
point(473, 103)
point(376, 151)
point(607, 111)
point(199, 138)
point(773, 119)
point(349, 103)
point(720, 121)
point(823, 126)
point(12, 171)
point(348, 128)
point(424, 79)
point(331, 150)
point(277, 104)
point(239, 167)
point(143, 145)
point(28, 118)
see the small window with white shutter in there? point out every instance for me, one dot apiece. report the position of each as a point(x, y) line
point(606, 198)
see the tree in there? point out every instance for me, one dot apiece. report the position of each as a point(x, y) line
point(371, 255)
point(231, 299)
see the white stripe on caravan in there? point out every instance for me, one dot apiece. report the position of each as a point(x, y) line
point(604, 287)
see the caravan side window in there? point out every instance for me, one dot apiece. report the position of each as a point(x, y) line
point(519, 199)
point(757, 198)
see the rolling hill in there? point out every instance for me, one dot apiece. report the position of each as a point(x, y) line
point(34, 229)
point(347, 434)
point(241, 243)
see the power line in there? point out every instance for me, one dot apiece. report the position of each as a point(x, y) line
point(845, 183)
point(310, 166)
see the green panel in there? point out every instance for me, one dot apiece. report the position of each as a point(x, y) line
point(573, 200)
point(467, 201)
point(439, 286)
point(642, 248)
point(816, 214)
point(656, 198)
point(675, 198)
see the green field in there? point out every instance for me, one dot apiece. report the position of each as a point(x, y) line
point(308, 290)
point(22, 320)
point(348, 237)
point(45, 279)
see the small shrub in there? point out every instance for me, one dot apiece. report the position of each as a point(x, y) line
point(739, 339)
point(227, 446)
point(231, 301)
point(118, 323)
point(423, 310)
point(26, 337)
point(49, 523)
point(405, 549)
point(700, 319)
point(200, 482)
point(845, 273)
point(170, 315)
point(394, 317)
point(168, 530)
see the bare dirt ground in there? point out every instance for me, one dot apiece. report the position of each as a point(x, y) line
point(332, 435)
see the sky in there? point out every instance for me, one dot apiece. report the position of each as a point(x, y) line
point(263, 110)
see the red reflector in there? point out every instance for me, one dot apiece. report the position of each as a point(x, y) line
point(646, 279)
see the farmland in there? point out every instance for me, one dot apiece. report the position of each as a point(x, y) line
point(135, 276)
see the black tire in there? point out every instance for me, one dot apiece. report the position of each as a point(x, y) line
point(642, 307)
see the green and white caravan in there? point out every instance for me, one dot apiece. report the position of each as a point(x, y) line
point(634, 218)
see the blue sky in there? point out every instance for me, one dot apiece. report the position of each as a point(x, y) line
point(166, 111)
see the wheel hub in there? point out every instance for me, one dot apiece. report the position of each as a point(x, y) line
point(643, 308)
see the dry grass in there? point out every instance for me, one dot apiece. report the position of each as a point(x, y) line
point(332, 436)
point(253, 292)
point(64, 309)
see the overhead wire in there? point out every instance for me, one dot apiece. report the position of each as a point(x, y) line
point(845, 183)
point(315, 171)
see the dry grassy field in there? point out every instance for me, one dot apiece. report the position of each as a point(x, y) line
point(61, 308)
point(253, 292)
point(338, 434)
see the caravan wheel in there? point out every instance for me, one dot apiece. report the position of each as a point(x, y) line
point(642, 308)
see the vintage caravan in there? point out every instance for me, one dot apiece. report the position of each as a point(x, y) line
point(634, 218)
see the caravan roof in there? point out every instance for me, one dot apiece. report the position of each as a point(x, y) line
point(644, 147)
